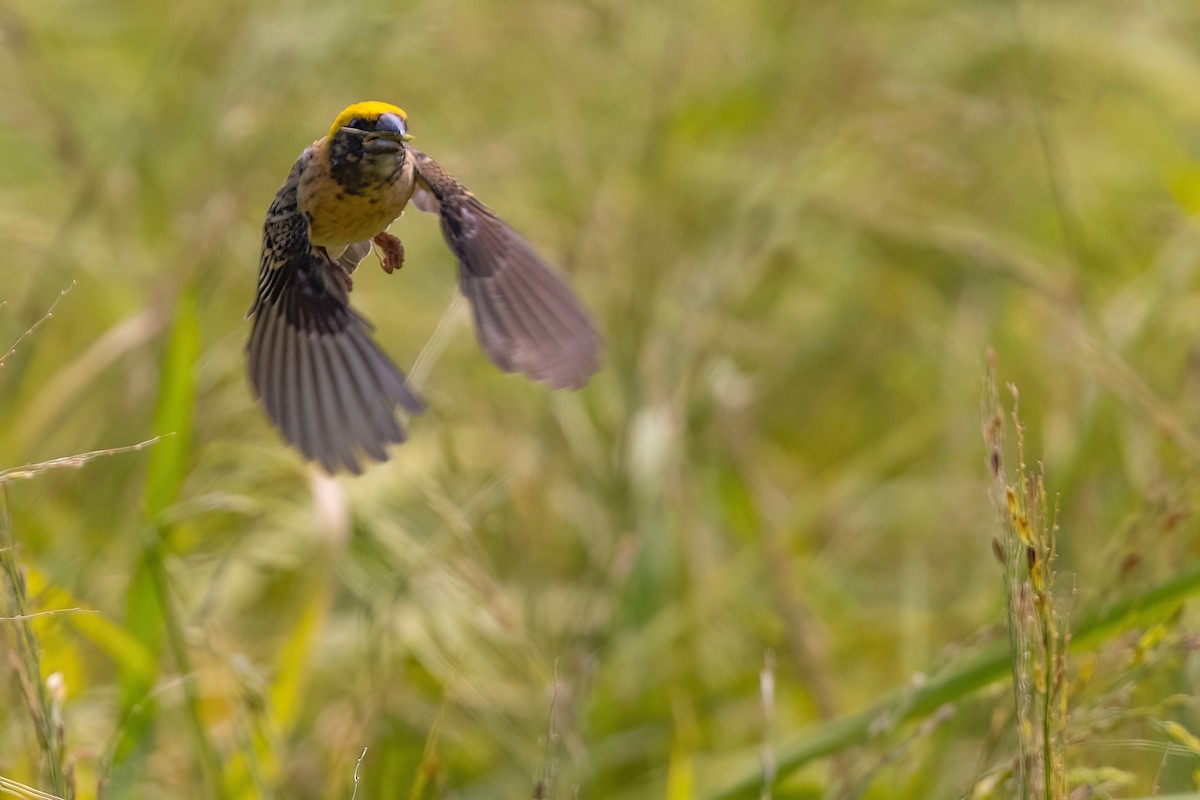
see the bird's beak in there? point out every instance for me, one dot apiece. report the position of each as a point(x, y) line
point(389, 135)
point(392, 126)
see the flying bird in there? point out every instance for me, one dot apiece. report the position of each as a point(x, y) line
point(318, 374)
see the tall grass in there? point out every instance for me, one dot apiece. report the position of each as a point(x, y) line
point(798, 225)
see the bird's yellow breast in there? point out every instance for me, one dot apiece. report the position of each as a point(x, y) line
point(338, 216)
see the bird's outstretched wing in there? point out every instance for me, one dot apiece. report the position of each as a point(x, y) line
point(526, 318)
point(319, 376)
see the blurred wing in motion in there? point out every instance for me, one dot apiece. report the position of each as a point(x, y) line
point(526, 318)
point(319, 376)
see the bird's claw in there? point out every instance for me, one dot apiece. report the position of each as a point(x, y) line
point(391, 251)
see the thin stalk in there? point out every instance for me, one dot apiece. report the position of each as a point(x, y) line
point(41, 707)
point(1048, 639)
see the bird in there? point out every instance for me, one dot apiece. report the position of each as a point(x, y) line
point(313, 363)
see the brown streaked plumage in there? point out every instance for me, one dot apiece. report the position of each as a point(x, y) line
point(317, 372)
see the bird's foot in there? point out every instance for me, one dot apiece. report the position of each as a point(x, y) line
point(391, 251)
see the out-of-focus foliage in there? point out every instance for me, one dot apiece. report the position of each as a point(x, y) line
point(798, 224)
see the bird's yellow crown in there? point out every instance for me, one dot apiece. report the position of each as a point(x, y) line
point(371, 109)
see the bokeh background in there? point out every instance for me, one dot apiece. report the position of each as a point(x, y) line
point(799, 225)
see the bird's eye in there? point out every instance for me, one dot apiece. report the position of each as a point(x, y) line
point(358, 123)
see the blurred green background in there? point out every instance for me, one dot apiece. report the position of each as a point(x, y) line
point(799, 226)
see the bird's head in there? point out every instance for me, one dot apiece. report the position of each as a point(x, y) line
point(378, 128)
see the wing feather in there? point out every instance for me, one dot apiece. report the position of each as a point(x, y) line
point(527, 319)
point(318, 374)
